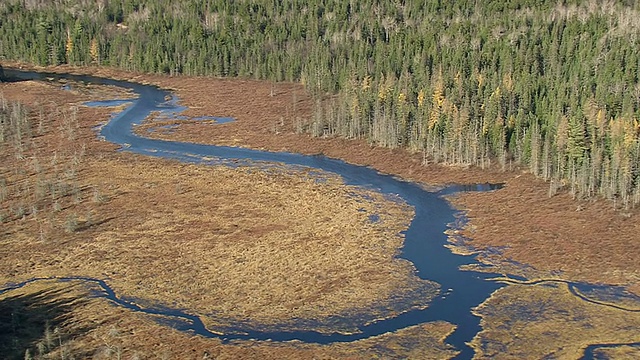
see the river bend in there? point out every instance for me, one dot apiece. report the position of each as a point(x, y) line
point(424, 239)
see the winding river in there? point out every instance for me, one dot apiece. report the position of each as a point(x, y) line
point(424, 239)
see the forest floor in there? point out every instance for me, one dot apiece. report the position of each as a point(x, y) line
point(115, 197)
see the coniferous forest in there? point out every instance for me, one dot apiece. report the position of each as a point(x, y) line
point(547, 85)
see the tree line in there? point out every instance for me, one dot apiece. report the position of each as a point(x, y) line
point(550, 85)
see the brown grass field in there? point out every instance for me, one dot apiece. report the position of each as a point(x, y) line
point(275, 245)
point(89, 327)
point(517, 317)
point(264, 246)
point(621, 353)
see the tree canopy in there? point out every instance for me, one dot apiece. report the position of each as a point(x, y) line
point(551, 85)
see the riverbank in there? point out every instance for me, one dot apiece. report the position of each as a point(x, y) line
point(589, 241)
point(63, 320)
point(200, 129)
point(277, 246)
point(256, 226)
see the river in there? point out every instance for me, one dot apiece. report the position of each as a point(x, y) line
point(425, 238)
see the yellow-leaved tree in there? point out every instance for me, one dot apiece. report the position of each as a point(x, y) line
point(94, 51)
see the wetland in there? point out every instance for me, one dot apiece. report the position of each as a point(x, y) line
point(348, 252)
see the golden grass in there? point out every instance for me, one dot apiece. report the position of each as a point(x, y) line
point(268, 246)
point(546, 320)
point(618, 353)
point(92, 328)
point(548, 233)
point(254, 245)
point(262, 245)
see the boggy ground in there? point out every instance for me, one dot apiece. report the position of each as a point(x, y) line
point(261, 245)
point(63, 321)
point(516, 318)
point(583, 240)
point(556, 237)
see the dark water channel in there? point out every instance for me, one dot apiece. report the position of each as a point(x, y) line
point(424, 242)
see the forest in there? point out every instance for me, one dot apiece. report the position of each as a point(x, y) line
point(550, 86)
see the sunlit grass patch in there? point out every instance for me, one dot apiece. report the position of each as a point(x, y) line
point(267, 247)
point(548, 320)
point(258, 246)
point(618, 352)
point(62, 320)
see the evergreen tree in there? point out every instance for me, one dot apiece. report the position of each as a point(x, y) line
point(552, 86)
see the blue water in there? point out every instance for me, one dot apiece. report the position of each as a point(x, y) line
point(590, 351)
point(424, 238)
point(107, 103)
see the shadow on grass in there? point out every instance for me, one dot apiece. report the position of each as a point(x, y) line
point(31, 322)
point(88, 224)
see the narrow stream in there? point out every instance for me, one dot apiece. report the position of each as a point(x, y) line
point(424, 239)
